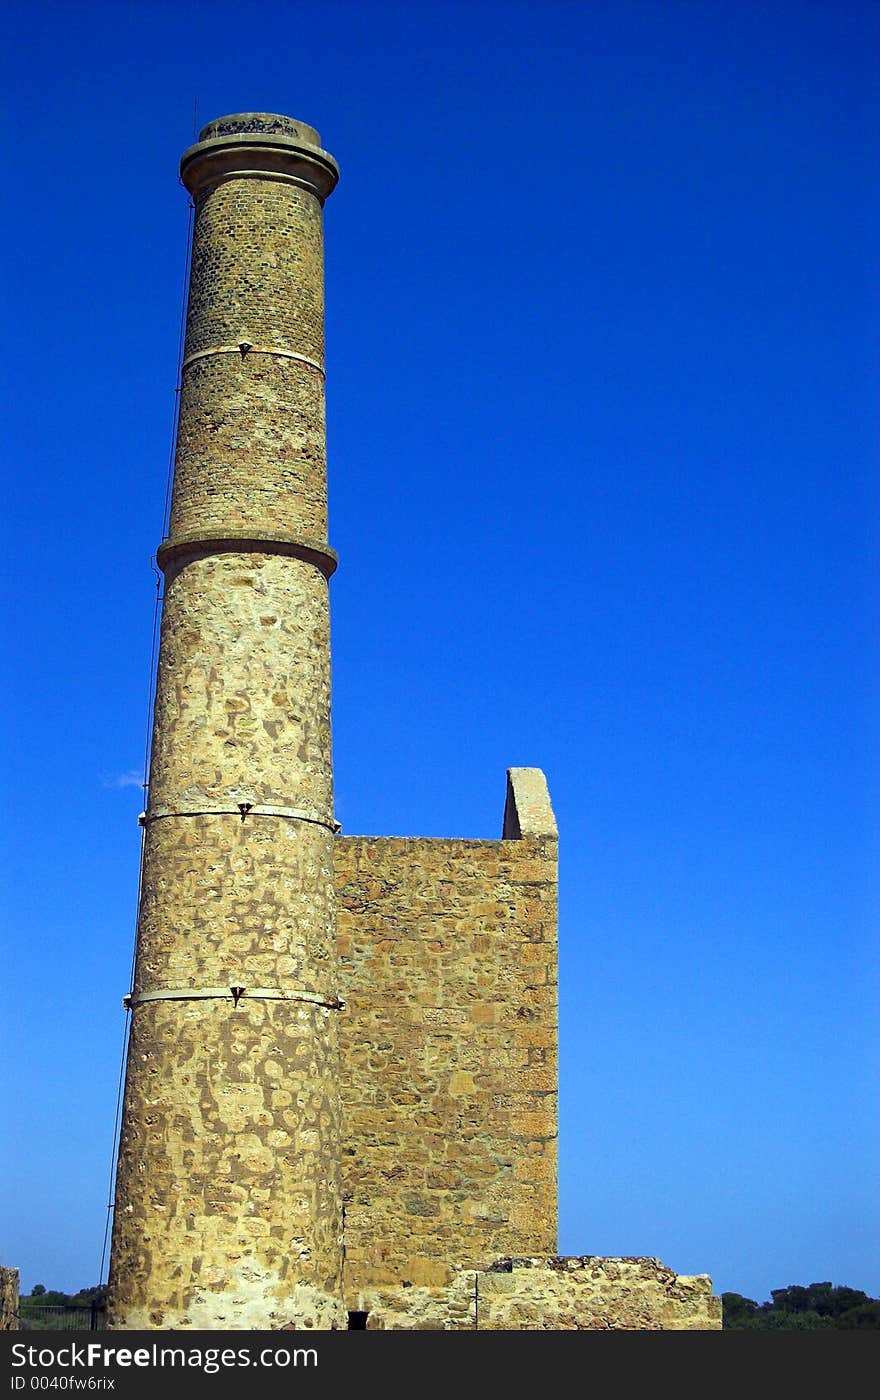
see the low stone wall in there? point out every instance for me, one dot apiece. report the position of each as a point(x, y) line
point(421, 1308)
point(8, 1300)
point(583, 1293)
point(588, 1293)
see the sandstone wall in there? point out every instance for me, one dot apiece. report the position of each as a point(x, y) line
point(579, 1294)
point(8, 1300)
point(447, 1051)
point(586, 1293)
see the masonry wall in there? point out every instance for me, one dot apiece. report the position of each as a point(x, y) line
point(8, 1300)
point(448, 1056)
point(583, 1293)
point(578, 1294)
point(589, 1294)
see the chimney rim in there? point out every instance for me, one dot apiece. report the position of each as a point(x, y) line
point(261, 124)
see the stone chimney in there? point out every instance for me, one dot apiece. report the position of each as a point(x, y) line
point(228, 1206)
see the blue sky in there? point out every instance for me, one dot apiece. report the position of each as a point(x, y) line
point(602, 302)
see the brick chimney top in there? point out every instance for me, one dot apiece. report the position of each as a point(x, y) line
point(263, 143)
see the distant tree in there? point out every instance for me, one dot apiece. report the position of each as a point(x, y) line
point(775, 1320)
point(53, 1299)
point(97, 1294)
point(802, 1309)
point(844, 1300)
point(794, 1299)
point(865, 1315)
point(737, 1311)
point(821, 1298)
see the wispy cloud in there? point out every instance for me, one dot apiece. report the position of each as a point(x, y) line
point(123, 780)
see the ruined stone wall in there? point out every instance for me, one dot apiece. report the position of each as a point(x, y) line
point(447, 1053)
point(586, 1293)
point(8, 1300)
point(578, 1294)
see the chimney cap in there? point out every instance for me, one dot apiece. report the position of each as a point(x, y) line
point(261, 123)
point(259, 143)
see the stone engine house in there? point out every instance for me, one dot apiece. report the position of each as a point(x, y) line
point(340, 1104)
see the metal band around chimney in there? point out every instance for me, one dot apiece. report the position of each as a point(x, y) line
point(245, 348)
point(235, 994)
point(244, 811)
point(191, 546)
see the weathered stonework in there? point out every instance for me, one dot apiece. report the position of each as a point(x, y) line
point(588, 1294)
point(228, 1193)
point(321, 1123)
point(8, 1300)
point(448, 1047)
point(578, 1294)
